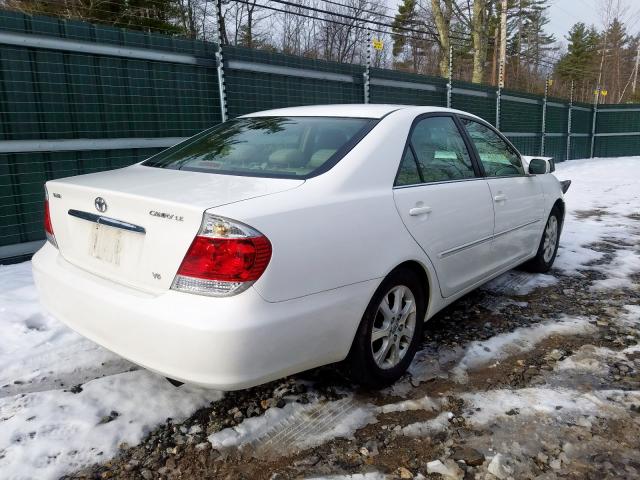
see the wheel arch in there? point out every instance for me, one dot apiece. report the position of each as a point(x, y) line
point(428, 283)
point(423, 273)
point(560, 206)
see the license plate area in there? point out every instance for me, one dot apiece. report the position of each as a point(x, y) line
point(107, 243)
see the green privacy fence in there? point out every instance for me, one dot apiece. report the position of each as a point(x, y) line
point(79, 98)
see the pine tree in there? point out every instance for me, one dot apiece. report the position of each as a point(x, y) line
point(407, 17)
point(618, 60)
point(581, 54)
point(528, 42)
point(580, 63)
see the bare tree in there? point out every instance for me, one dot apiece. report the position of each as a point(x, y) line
point(442, 13)
point(479, 20)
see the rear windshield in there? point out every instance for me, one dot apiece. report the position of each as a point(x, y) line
point(295, 147)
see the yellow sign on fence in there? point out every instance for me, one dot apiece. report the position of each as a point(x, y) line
point(378, 44)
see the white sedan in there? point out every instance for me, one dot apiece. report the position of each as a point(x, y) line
point(288, 239)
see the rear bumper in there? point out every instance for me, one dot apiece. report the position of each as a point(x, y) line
point(223, 343)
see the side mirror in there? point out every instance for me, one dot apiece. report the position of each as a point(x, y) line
point(539, 166)
point(527, 161)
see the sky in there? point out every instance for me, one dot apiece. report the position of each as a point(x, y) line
point(563, 14)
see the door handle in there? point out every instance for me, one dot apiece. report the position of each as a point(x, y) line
point(415, 211)
point(500, 198)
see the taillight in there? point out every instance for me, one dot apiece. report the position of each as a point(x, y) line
point(48, 226)
point(224, 259)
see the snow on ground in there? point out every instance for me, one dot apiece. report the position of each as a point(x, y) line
point(493, 404)
point(625, 263)
point(519, 283)
point(46, 434)
point(47, 430)
point(521, 340)
point(428, 427)
point(296, 427)
point(602, 199)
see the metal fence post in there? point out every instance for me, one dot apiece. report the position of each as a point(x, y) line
point(498, 95)
point(568, 154)
point(220, 64)
point(450, 82)
point(595, 116)
point(367, 68)
point(499, 92)
point(544, 115)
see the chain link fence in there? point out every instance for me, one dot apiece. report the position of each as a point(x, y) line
point(78, 98)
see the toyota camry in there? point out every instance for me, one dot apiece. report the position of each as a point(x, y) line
point(283, 240)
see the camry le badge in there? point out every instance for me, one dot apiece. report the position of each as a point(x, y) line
point(168, 216)
point(101, 204)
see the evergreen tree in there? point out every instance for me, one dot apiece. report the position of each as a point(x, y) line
point(618, 60)
point(581, 54)
point(407, 17)
point(531, 40)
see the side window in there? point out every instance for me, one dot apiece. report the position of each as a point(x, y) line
point(497, 157)
point(408, 172)
point(440, 150)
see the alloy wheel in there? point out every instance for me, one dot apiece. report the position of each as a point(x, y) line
point(393, 327)
point(550, 238)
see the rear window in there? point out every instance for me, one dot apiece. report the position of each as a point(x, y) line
point(291, 147)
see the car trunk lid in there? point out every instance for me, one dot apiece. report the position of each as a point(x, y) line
point(134, 225)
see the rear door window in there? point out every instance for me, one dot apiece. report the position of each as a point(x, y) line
point(440, 150)
point(294, 147)
point(408, 173)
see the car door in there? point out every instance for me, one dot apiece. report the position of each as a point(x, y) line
point(444, 202)
point(517, 197)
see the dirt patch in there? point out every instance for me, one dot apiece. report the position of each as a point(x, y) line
point(596, 214)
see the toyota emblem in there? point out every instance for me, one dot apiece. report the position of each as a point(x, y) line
point(101, 204)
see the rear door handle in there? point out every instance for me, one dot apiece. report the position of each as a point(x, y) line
point(415, 211)
point(500, 198)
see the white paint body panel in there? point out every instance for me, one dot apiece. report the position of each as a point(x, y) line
point(334, 237)
point(456, 233)
point(519, 210)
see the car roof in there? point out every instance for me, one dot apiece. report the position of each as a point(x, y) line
point(353, 110)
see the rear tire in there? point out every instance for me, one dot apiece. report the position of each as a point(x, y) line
point(390, 331)
point(548, 248)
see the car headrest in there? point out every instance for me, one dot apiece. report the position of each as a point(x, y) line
point(319, 157)
point(286, 156)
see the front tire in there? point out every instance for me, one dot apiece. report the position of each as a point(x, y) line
point(390, 331)
point(548, 248)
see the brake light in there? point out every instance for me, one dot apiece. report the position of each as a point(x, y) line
point(48, 226)
point(224, 259)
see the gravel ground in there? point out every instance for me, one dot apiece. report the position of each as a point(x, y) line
point(560, 405)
